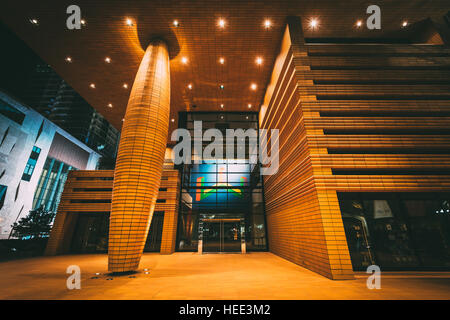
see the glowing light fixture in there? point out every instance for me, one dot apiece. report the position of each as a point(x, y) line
point(173, 120)
point(108, 60)
point(83, 22)
point(69, 59)
point(222, 60)
point(253, 86)
point(249, 105)
point(222, 87)
point(92, 85)
point(359, 23)
point(189, 86)
point(34, 21)
point(129, 22)
point(184, 60)
point(175, 23)
point(259, 60)
point(125, 86)
point(110, 105)
point(404, 23)
point(221, 23)
point(222, 105)
point(313, 23)
point(267, 24)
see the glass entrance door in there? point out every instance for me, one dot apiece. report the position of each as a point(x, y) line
point(222, 235)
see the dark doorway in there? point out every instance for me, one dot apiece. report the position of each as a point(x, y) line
point(92, 229)
point(91, 233)
point(153, 243)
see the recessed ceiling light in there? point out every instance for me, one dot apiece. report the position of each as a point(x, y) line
point(359, 23)
point(249, 105)
point(184, 60)
point(253, 86)
point(222, 86)
point(313, 23)
point(92, 85)
point(110, 105)
point(189, 86)
point(108, 60)
point(267, 24)
point(69, 59)
point(129, 22)
point(175, 23)
point(404, 24)
point(221, 23)
point(173, 120)
point(222, 105)
point(222, 60)
point(125, 86)
point(259, 60)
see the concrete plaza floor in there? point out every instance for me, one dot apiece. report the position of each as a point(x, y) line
point(208, 276)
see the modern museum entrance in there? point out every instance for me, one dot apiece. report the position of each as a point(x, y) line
point(221, 204)
point(222, 235)
point(220, 210)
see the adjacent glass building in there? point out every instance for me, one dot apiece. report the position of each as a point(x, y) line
point(51, 184)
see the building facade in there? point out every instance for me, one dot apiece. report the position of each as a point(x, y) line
point(36, 158)
point(363, 132)
point(52, 97)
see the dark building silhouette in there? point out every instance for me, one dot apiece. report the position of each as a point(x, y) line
point(51, 96)
point(34, 82)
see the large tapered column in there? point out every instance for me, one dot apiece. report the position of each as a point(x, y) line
point(140, 160)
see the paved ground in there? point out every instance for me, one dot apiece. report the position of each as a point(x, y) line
point(209, 276)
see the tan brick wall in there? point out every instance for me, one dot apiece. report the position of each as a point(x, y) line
point(349, 107)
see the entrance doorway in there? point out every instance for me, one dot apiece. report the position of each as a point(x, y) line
point(154, 237)
point(91, 233)
point(222, 236)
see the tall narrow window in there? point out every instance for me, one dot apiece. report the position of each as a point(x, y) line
point(31, 163)
point(2, 195)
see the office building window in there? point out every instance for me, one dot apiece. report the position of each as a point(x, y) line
point(51, 184)
point(2, 195)
point(31, 163)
